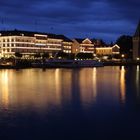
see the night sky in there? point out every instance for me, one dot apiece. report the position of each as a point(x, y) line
point(105, 19)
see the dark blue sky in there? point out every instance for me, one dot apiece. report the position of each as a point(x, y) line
point(105, 19)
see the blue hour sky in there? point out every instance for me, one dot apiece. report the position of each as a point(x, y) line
point(104, 19)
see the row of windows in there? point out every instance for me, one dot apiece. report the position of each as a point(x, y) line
point(67, 47)
point(18, 45)
point(104, 51)
point(66, 51)
point(16, 40)
point(52, 42)
point(6, 50)
point(40, 42)
point(28, 45)
point(25, 50)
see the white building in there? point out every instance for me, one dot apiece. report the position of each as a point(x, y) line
point(29, 43)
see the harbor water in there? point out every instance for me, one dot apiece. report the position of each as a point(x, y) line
point(75, 104)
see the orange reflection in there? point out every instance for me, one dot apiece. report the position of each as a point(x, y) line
point(137, 79)
point(87, 86)
point(4, 88)
point(57, 86)
point(122, 84)
point(94, 83)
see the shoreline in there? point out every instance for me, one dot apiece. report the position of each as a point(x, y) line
point(109, 63)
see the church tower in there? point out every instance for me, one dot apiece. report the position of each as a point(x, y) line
point(136, 43)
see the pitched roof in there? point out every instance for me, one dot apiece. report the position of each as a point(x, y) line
point(137, 33)
point(20, 32)
point(66, 39)
point(79, 40)
point(31, 34)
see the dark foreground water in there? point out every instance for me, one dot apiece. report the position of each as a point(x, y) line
point(70, 104)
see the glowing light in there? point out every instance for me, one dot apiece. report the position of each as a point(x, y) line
point(137, 79)
point(5, 92)
point(138, 68)
point(116, 46)
point(122, 84)
point(123, 55)
point(40, 35)
point(87, 40)
point(103, 48)
point(94, 83)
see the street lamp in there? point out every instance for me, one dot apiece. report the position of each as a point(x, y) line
point(123, 55)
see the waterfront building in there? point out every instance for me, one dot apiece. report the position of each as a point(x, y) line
point(30, 43)
point(66, 44)
point(96, 47)
point(82, 46)
point(136, 43)
point(107, 50)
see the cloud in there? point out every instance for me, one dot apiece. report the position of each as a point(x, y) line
point(72, 17)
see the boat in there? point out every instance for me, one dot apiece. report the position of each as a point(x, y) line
point(68, 64)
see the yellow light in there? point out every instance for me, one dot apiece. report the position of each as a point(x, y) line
point(122, 84)
point(138, 58)
point(123, 55)
point(5, 90)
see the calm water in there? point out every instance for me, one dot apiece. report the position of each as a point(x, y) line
point(76, 104)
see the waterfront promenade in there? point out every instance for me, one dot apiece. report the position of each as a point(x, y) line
point(22, 64)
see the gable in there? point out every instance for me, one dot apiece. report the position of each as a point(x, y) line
point(116, 46)
point(86, 41)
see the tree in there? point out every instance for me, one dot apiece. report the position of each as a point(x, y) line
point(62, 54)
point(84, 56)
point(126, 45)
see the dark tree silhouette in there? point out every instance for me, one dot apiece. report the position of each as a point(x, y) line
point(62, 55)
point(84, 56)
point(126, 45)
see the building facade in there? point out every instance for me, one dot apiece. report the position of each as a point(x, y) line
point(66, 44)
point(136, 43)
point(30, 43)
point(82, 46)
point(96, 47)
point(107, 50)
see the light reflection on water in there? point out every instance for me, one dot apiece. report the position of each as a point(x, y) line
point(5, 89)
point(122, 84)
point(88, 102)
point(37, 88)
point(138, 80)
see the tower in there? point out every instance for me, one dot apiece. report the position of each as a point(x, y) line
point(136, 43)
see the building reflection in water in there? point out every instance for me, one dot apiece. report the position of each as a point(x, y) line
point(57, 85)
point(4, 88)
point(53, 88)
point(94, 83)
point(88, 86)
point(63, 82)
point(122, 84)
point(138, 80)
